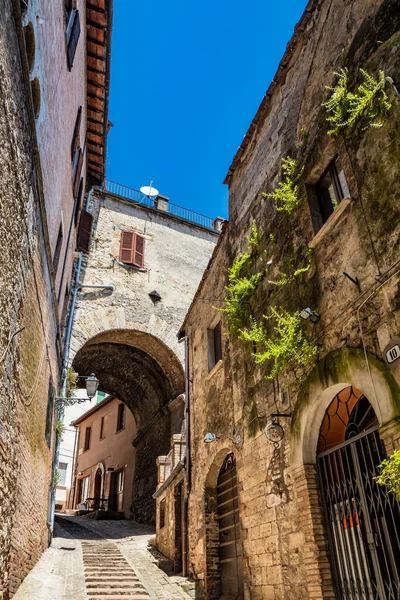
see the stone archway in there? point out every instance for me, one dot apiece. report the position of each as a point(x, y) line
point(141, 371)
point(337, 371)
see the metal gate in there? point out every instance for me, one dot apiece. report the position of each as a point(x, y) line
point(230, 544)
point(363, 520)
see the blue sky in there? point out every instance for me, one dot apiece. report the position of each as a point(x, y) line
point(186, 80)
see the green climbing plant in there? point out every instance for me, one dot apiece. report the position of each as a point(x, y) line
point(287, 346)
point(293, 272)
point(287, 195)
point(389, 473)
point(367, 107)
point(242, 285)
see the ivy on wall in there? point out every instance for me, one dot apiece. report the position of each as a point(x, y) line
point(286, 194)
point(367, 107)
point(284, 340)
point(293, 271)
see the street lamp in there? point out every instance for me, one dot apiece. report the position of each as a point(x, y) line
point(92, 385)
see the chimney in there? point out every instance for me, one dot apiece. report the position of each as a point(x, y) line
point(161, 203)
point(217, 223)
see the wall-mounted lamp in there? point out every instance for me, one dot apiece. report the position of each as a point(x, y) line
point(210, 437)
point(310, 315)
point(92, 385)
point(40, 20)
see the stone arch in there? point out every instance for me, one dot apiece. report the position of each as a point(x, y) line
point(339, 369)
point(143, 372)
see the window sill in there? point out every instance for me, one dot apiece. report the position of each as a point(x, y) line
point(215, 369)
point(134, 267)
point(330, 223)
point(119, 430)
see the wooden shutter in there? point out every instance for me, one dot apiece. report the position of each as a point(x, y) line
point(138, 255)
point(78, 173)
point(78, 202)
point(73, 40)
point(84, 231)
point(126, 247)
point(75, 139)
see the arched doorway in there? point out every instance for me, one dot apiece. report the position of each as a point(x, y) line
point(362, 518)
point(230, 543)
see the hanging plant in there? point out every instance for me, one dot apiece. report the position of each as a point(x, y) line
point(367, 107)
point(242, 285)
point(286, 195)
point(389, 474)
point(60, 430)
point(288, 346)
point(71, 382)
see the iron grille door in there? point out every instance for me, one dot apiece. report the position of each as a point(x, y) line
point(230, 545)
point(363, 520)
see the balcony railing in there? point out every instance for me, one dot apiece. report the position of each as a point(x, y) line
point(173, 209)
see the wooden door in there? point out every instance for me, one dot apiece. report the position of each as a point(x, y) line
point(230, 543)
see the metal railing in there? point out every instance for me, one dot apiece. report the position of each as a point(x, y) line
point(173, 209)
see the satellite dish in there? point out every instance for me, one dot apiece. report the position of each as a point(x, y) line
point(147, 190)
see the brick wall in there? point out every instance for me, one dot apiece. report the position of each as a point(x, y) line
point(29, 362)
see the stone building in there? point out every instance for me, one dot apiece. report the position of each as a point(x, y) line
point(150, 256)
point(104, 458)
point(294, 511)
point(45, 161)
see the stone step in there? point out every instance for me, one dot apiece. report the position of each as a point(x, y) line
point(95, 595)
point(119, 597)
point(100, 586)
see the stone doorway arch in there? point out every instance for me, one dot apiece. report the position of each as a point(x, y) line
point(362, 519)
point(140, 370)
point(338, 370)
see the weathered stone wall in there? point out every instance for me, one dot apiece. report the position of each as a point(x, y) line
point(176, 255)
point(28, 363)
point(283, 536)
point(142, 365)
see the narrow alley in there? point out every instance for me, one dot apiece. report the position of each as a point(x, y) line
point(101, 560)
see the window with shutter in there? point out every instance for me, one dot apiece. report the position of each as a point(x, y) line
point(84, 231)
point(131, 250)
point(78, 172)
point(75, 138)
point(126, 247)
point(73, 39)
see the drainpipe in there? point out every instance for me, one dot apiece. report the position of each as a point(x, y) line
point(52, 493)
point(185, 339)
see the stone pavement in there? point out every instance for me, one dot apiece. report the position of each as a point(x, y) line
point(59, 573)
point(113, 555)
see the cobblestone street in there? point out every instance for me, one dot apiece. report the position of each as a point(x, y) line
point(94, 560)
